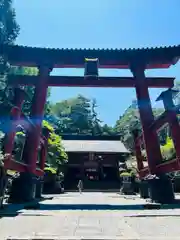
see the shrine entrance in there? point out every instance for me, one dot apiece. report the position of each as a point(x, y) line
point(137, 60)
point(91, 160)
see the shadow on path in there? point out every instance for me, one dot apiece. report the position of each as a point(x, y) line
point(55, 207)
point(13, 210)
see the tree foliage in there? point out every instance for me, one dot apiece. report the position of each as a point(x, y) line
point(131, 120)
point(56, 151)
point(9, 30)
point(168, 150)
point(29, 90)
point(78, 115)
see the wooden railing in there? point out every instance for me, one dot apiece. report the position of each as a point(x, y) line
point(9, 162)
point(167, 117)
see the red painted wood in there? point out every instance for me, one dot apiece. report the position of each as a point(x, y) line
point(172, 120)
point(33, 137)
point(143, 173)
point(16, 166)
point(74, 81)
point(147, 119)
point(39, 172)
point(169, 116)
point(9, 138)
point(138, 153)
point(21, 167)
point(169, 166)
point(14, 117)
point(113, 65)
point(175, 131)
point(166, 167)
point(157, 125)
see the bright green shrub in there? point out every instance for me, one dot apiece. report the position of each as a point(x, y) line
point(167, 150)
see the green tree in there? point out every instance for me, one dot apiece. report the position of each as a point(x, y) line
point(107, 130)
point(79, 116)
point(29, 71)
point(9, 30)
point(74, 115)
point(95, 121)
point(131, 120)
point(56, 151)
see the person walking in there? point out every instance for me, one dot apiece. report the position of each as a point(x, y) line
point(80, 186)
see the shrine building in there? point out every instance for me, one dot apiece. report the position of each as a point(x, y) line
point(95, 160)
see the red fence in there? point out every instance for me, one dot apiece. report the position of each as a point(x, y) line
point(10, 163)
point(168, 117)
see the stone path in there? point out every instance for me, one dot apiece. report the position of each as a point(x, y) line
point(49, 222)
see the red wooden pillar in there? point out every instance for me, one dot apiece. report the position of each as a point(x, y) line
point(44, 149)
point(146, 114)
point(37, 111)
point(138, 153)
point(15, 114)
point(167, 98)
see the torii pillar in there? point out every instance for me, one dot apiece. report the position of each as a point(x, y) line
point(146, 114)
point(139, 157)
point(30, 154)
point(19, 96)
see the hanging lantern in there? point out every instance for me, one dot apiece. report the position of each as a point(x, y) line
point(91, 67)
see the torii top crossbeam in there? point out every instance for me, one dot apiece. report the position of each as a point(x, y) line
point(162, 57)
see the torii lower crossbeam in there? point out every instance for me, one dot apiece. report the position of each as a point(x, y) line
point(74, 81)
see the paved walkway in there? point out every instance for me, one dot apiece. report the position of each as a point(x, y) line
point(49, 222)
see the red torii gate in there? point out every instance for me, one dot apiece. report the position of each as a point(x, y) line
point(137, 60)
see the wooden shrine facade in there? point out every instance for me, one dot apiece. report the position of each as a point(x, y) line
point(137, 60)
point(93, 159)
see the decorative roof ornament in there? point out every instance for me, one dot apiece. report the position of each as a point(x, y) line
point(91, 68)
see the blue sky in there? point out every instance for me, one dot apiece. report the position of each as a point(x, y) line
point(101, 24)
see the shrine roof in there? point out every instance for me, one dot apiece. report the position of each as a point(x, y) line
point(103, 146)
point(159, 57)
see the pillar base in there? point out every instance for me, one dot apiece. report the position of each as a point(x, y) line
point(161, 190)
point(39, 187)
point(3, 185)
point(143, 189)
point(23, 188)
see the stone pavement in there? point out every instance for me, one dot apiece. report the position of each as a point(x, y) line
point(49, 222)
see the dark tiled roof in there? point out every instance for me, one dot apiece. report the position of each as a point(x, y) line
point(94, 146)
point(75, 57)
point(83, 137)
point(94, 49)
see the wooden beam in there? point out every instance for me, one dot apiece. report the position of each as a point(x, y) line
point(169, 166)
point(73, 81)
point(157, 125)
point(20, 167)
point(160, 122)
point(165, 167)
point(16, 166)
